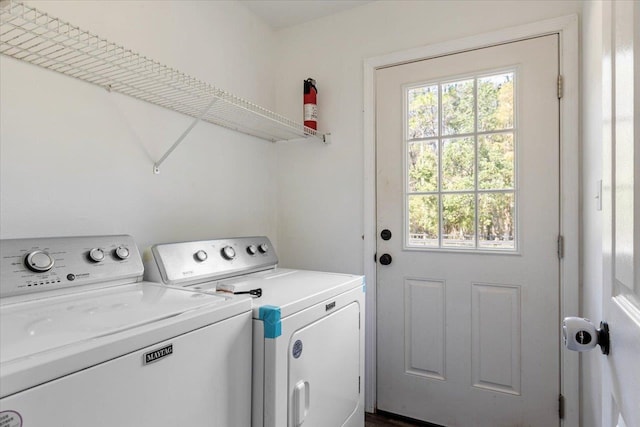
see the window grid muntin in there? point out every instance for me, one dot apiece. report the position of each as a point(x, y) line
point(464, 135)
point(476, 192)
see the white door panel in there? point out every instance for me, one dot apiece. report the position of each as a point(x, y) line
point(468, 332)
point(621, 212)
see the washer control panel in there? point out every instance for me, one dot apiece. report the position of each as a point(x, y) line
point(33, 265)
point(187, 263)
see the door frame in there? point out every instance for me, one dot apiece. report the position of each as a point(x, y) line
point(567, 28)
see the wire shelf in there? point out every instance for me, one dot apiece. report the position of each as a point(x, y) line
point(33, 36)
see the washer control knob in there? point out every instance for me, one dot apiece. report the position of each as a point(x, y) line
point(228, 253)
point(201, 255)
point(263, 248)
point(39, 261)
point(122, 252)
point(96, 255)
point(252, 249)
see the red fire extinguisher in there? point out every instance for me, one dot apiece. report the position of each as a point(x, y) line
point(310, 104)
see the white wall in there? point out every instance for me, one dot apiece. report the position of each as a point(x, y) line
point(591, 218)
point(320, 188)
point(76, 159)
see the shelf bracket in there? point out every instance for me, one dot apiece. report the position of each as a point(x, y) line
point(156, 166)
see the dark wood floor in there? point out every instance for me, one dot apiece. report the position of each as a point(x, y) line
point(382, 419)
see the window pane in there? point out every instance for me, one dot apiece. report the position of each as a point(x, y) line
point(423, 166)
point(457, 108)
point(461, 161)
point(495, 102)
point(458, 220)
point(496, 161)
point(458, 164)
point(423, 221)
point(496, 212)
point(423, 112)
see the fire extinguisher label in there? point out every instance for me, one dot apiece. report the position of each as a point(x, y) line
point(310, 112)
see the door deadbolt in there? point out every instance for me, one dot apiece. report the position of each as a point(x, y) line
point(385, 234)
point(385, 259)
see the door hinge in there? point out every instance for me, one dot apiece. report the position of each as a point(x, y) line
point(560, 86)
point(560, 247)
point(561, 406)
point(358, 385)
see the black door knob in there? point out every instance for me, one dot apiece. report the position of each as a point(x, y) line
point(385, 234)
point(385, 259)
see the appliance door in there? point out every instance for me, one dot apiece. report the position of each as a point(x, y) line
point(204, 379)
point(324, 370)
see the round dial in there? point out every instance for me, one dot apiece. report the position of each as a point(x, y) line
point(228, 252)
point(263, 248)
point(39, 261)
point(252, 249)
point(201, 255)
point(96, 255)
point(122, 252)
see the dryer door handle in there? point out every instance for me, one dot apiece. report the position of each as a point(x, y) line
point(301, 402)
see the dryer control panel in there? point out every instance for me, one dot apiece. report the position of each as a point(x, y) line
point(34, 265)
point(188, 263)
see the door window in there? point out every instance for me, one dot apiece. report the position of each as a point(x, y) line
point(460, 148)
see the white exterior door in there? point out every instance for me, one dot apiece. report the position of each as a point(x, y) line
point(467, 152)
point(621, 208)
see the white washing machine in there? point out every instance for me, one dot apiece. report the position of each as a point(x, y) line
point(84, 342)
point(308, 327)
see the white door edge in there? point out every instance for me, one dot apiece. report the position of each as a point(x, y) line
point(567, 28)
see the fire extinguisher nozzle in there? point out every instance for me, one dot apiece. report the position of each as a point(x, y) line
point(308, 84)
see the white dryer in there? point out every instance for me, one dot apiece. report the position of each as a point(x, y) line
point(308, 327)
point(85, 342)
